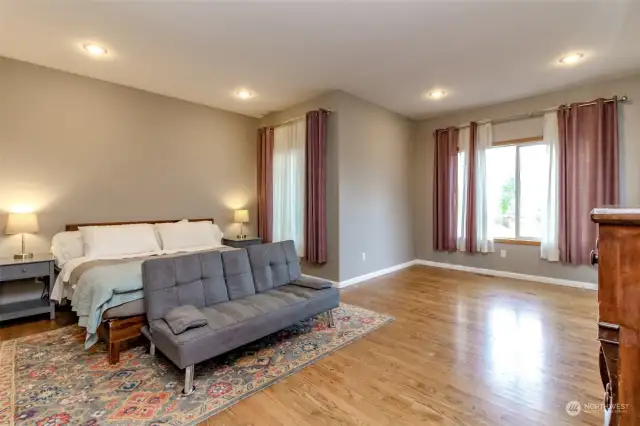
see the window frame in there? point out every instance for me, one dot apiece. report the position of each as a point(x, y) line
point(518, 143)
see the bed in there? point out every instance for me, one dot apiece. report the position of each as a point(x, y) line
point(119, 320)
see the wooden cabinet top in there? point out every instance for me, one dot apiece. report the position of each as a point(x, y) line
point(617, 215)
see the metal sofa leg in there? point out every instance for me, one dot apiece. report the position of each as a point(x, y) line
point(332, 323)
point(152, 349)
point(189, 388)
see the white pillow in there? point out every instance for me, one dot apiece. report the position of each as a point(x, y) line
point(157, 226)
point(187, 234)
point(114, 240)
point(217, 235)
point(66, 246)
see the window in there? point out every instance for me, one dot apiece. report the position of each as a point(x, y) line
point(516, 191)
point(288, 183)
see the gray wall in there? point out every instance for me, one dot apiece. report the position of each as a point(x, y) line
point(375, 202)
point(81, 150)
point(522, 259)
point(368, 198)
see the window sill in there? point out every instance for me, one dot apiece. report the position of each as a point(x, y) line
point(516, 241)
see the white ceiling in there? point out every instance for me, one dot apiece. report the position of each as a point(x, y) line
point(389, 52)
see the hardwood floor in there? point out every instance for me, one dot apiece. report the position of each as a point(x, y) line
point(463, 350)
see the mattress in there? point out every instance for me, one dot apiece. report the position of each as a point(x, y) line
point(129, 309)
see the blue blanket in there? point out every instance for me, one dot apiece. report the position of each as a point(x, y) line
point(100, 287)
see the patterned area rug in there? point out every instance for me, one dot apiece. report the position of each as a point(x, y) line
point(48, 379)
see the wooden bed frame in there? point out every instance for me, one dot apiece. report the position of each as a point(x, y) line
point(117, 330)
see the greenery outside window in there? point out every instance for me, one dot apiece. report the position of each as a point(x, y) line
point(515, 192)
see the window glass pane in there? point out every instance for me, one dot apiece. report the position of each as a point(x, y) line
point(533, 182)
point(501, 191)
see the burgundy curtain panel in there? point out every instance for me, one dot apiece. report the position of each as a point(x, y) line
point(588, 175)
point(445, 176)
point(265, 183)
point(471, 241)
point(315, 217)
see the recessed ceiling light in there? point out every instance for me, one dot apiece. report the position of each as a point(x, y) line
point(437, 94)
point(244, 94)
point(94, 49)
point(571, 58)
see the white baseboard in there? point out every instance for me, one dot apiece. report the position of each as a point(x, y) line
point(471, 269)
point(507, 274)
point(365, 277)
point(385, 271)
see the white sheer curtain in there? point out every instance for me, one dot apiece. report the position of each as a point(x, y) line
point(484, 139)
point(288, 183)
point(463, 180)
point(549, 245)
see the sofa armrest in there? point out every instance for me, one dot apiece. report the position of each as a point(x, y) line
point(312, 282)
point(182, 318)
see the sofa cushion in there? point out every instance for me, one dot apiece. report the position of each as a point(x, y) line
point(184, 317)
point(237, 274)
point(196, 279)
point(162, 328)
point(306, 292)
point(246, 308)
point(215, 285)
point(226, 314)
point(274, 264)
point(235, 323)
point(271, 300)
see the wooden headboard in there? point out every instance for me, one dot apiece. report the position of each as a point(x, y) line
point(75, 226)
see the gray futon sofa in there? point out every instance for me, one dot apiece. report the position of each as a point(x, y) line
point(204, 304)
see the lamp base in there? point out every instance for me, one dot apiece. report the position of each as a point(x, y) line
point(23, 256)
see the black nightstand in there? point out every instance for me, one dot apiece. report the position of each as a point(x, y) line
point(241, 242)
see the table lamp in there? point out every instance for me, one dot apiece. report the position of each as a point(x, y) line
point(22, 223)
point(241, 216)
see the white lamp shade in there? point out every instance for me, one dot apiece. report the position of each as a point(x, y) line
point(241, 216)
point(19, 223)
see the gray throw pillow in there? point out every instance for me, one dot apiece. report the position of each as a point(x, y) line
point(311, 282)
point(183, 318)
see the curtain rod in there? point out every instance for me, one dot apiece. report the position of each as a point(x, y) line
point(300, 117)
point(537, 113)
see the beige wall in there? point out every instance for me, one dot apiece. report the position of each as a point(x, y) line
point(368, 199)
point(82, 150)
point(523, 259)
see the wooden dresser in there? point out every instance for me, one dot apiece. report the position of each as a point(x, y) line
point(617, 255)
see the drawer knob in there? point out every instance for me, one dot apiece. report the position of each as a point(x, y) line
point(594, 258)
point(24, 269)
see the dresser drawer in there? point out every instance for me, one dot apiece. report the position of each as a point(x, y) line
point(27, 270)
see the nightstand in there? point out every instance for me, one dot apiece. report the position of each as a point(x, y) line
point(241, 242)
point(39, 266)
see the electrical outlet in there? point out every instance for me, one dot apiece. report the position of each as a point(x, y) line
point(503, 253)
point(364, 256)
